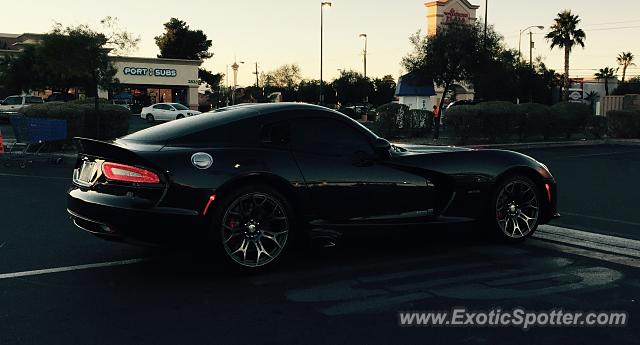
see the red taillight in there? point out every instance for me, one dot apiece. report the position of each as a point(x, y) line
point(127, 173)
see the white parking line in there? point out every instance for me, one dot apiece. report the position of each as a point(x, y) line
point(618, 250)
point(608, 220)
point(596, 246)
point(603, 154)
point(72, 268)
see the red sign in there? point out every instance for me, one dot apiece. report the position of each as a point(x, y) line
point(454, 16)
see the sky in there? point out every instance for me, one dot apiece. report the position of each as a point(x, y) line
point(277, 32)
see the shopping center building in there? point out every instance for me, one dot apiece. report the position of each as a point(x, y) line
point(142, 81)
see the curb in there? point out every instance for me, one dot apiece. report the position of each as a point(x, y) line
point(535, 145)
point(555, 144)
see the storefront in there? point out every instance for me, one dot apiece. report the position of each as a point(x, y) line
point(145, 81)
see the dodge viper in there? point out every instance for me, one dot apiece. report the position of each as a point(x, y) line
point(246, 181)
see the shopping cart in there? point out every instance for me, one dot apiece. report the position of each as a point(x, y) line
point(32, 136)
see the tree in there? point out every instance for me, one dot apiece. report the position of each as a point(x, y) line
point(212, 81)
point(286, 76)
point(566, 34)
point(384, 90)
point(625, 60)
point(632, 86)
point(606, 74)
point(592, 97)
point(352, 87)
point(21, 72)
point(451, 55)
point(180, 42)
point(75, 56)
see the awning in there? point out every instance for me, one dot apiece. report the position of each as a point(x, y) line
point(409, 85)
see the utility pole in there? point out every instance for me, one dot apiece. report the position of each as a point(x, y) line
point(531, 62)
point(322, 6)
point(486, 13)
point(256, 73)
point(531, 49)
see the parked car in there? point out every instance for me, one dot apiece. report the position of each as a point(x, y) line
point(121, 102)
point(166, 112)
point(15, 103)
point(253, 180)
point(61, 97)
point(464, 102)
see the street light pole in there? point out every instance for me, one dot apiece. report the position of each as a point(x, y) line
point(520, 37)
point(322, 5)
point(365, 53)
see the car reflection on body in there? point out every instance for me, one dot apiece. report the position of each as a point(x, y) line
point(249, 181)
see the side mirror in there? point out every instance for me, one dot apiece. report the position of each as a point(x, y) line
point(382, 144)
point(382, 147)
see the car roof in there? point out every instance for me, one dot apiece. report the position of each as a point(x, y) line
point(175, 129)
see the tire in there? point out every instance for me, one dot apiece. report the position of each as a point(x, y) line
point(180, 116)
point(515, 209)
point(150, 118)
point(253, 228)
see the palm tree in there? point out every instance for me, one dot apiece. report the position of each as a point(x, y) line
point(565, 34)
point(606, 73)
point(592, 97)
point(625, 60)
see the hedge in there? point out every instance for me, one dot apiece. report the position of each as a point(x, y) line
point(111, 121)
point(535, 122)
point(500, 120)
point(569, 118)
point(624, 124)
point(463, 122)
point(503, 121)
point(394, 120)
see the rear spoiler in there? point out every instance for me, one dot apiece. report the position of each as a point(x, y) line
point(117, 151)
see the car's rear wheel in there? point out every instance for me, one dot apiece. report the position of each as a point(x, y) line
point(150, 118)
point(253, 226)
point(516, 206)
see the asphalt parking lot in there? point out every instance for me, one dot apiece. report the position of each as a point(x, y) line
point(59, 285)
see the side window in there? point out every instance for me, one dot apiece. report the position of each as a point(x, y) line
point(14, 100)
point(160, 107)
point(33, 100)
point(276, 134)
point(328, 137)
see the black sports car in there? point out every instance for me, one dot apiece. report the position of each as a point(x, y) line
point(250, 179)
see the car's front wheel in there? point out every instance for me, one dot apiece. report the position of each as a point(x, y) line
point(253, 226)
point(180, 116)
point(516, 206)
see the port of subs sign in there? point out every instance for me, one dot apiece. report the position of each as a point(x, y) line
point(150, 72)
